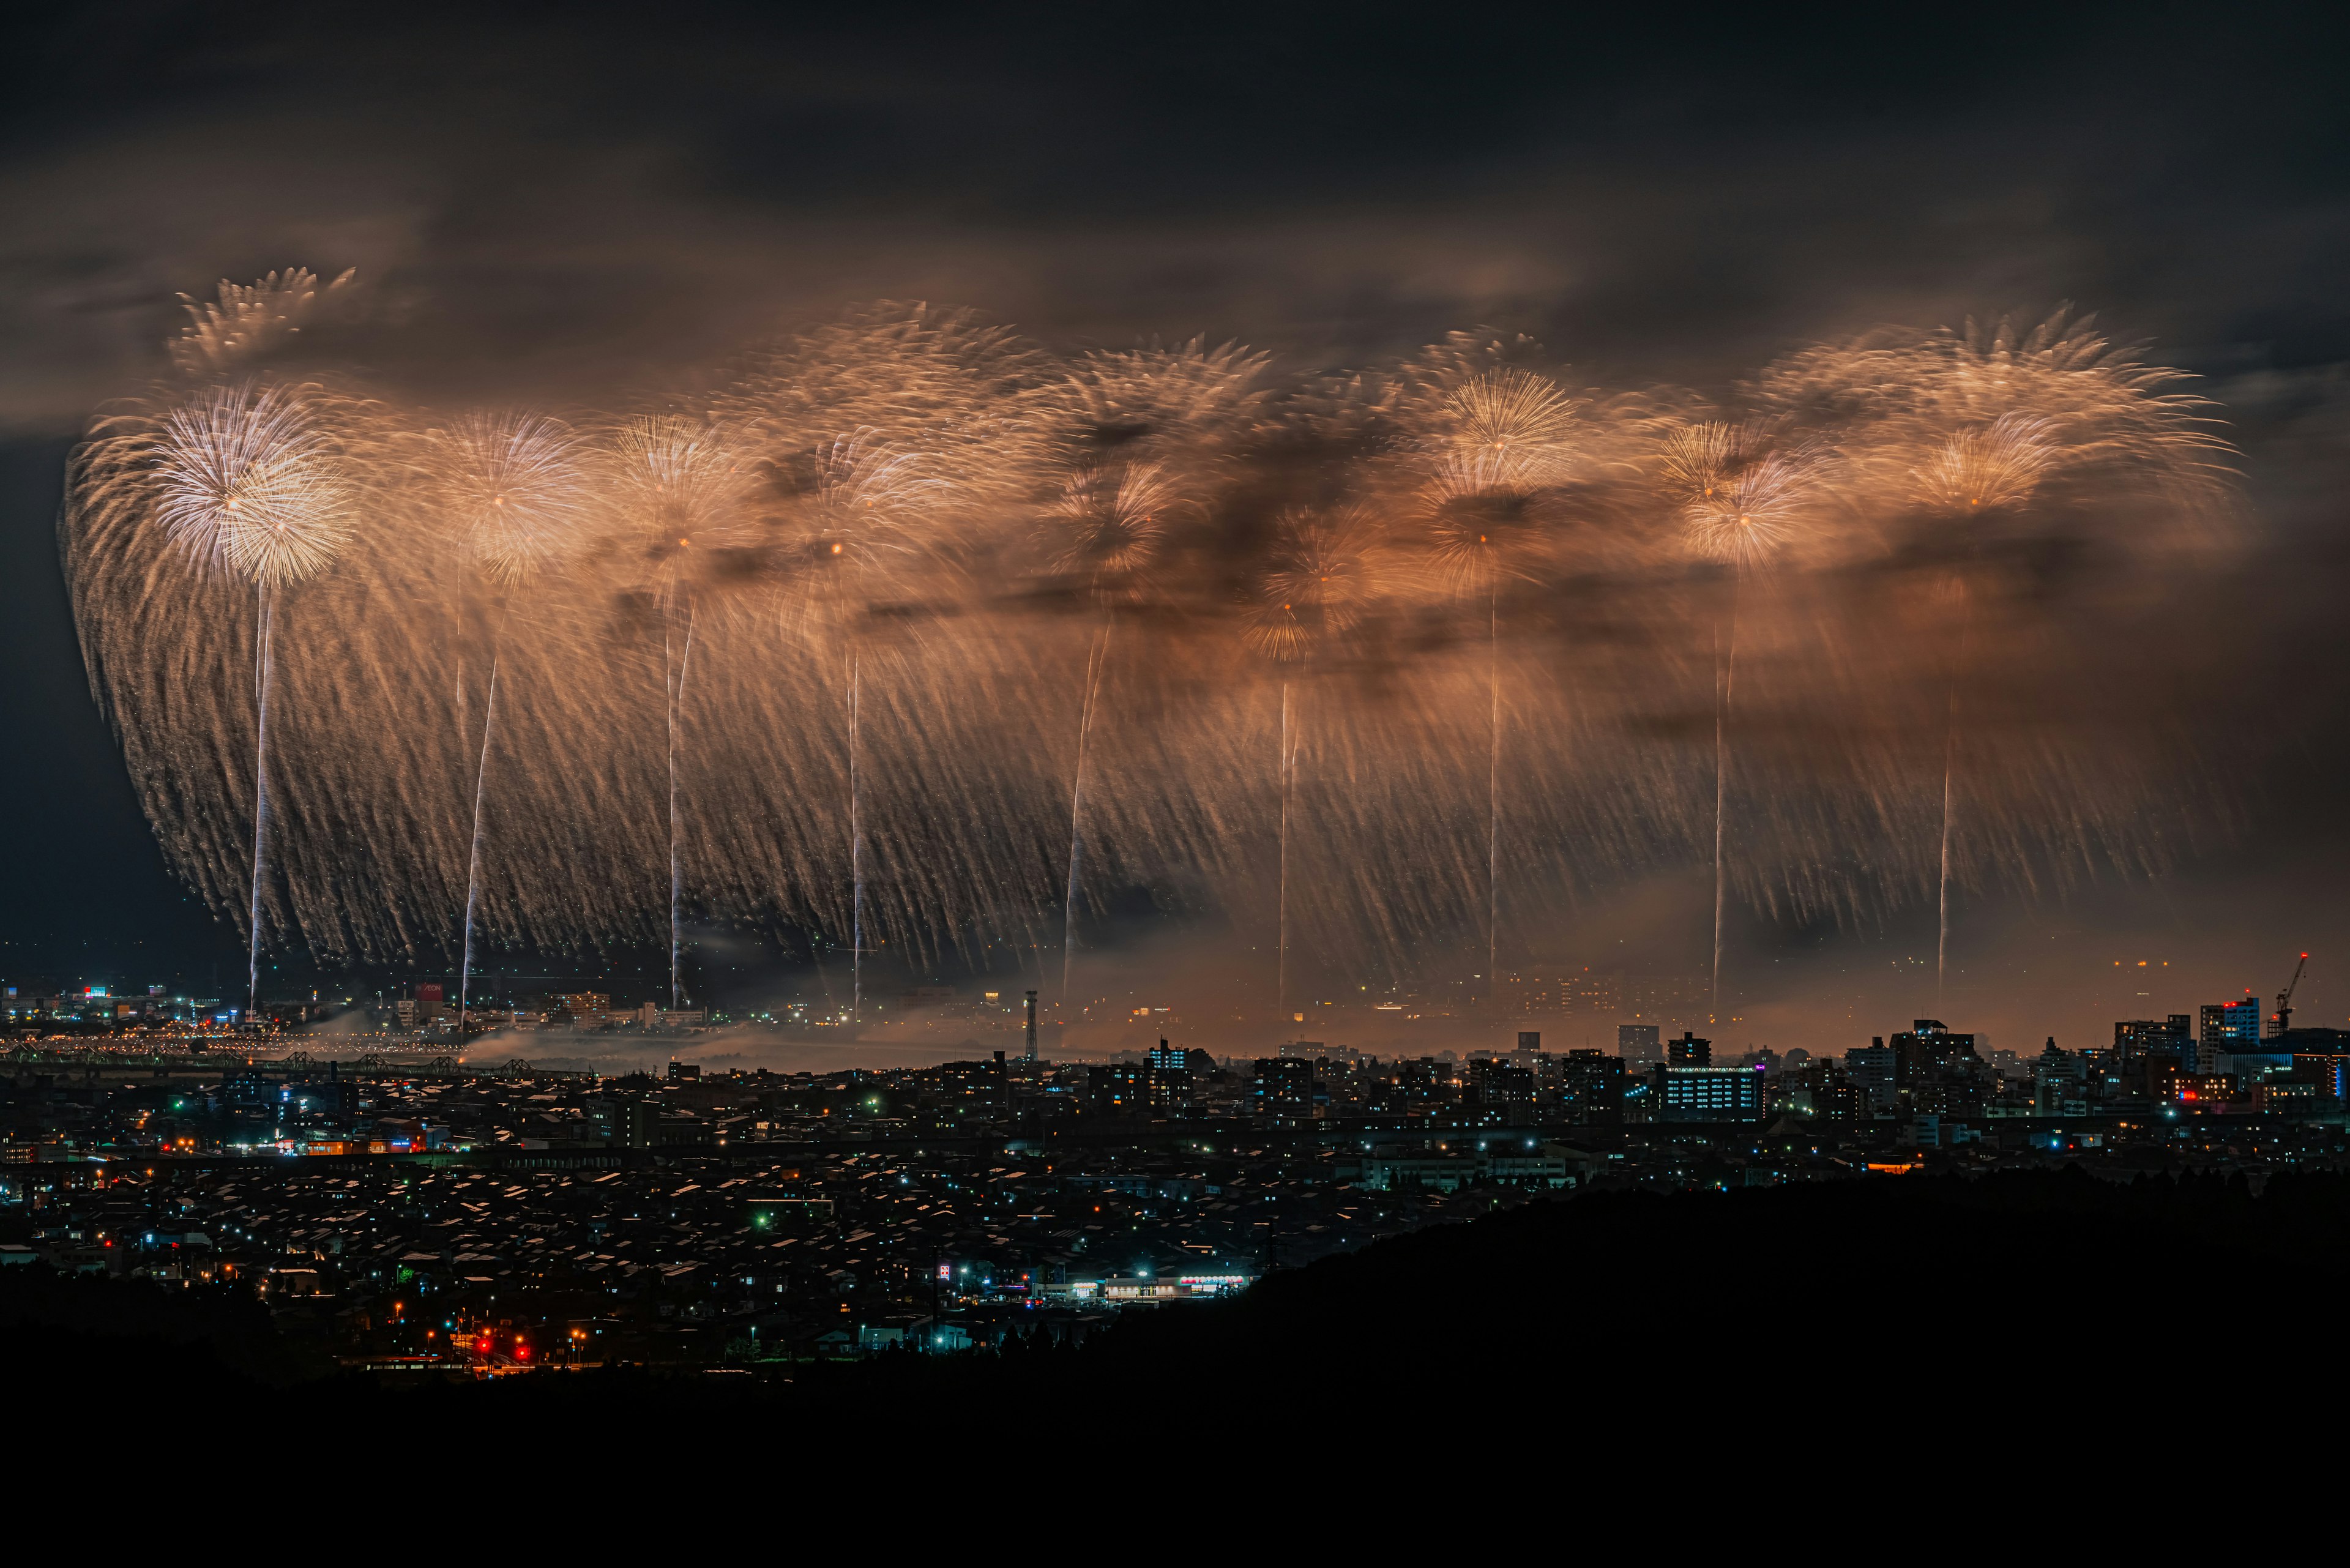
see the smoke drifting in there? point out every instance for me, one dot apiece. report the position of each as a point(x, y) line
point(900, 634)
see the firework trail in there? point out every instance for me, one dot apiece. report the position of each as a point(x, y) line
point(1975, 475)
point(1994, 435)
point(1739, 501)
point(513, 488)
point(674, 683)
point(1108, 528)
point(1323, 576)
point(679, 488)
point(1118, 428)
point(856, 849)
point(245, 487)
point(263, 682)
point(1502, 446)
point(473, 858)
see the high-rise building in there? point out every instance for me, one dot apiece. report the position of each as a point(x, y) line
point(1591, 1088)
point(1929, 1050)
point(1667, 998)
point(1421, 1081)
point(1529, 1039)
point(1118, 1088)
point(1031, 1026)
point(1169, 1082)
point(2322, 1056)
point(1819, 1089)
point(1689, 1051)
point(1575, 991)
point(2227, 1026)
point(1638, 1043)
point(2137, 1037)
point(1283, 1087)
point(1502, 1083)
point(1594, 993)
point(984, 1083)
point(1871, 1070)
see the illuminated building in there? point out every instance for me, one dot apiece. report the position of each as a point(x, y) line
point(1167, 1073)
point(1502, 1083)
point(1282, 1088)
point(1591, 1088)
point(2322, 1057)
point(2137, 1038)
point(1689, 1051)
point(2224, 1025)
point(581, 1006)
point(1422, 1082)
point(1929, 1050)
point(1709, 1094)
point(1638, 1043)
point(1504, 1091)
point(1870, 1069)
point(1118, 1088)
point(983, 1085)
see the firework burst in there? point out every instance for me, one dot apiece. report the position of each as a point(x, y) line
point(1740, 504)
point(911, 637)
point(245, 483)
point(518, 490)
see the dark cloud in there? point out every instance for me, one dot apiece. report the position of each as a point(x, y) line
point(614, 194)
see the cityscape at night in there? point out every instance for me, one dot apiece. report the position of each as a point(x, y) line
point(814, 723)
point(418, 1206)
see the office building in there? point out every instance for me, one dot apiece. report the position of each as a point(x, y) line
point(1591, 1088)
point(2139, 1037)
point(1709, 1094)
point(1502, 1083)
point(1689, 1051)
point(1282, 1088)
point(1870, 1069)
point(1118, 1088)
point(1639, 1043)
point(2226, 1026)
point(1169, 1077)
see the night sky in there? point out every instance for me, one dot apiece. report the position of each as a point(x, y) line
point(571, 199)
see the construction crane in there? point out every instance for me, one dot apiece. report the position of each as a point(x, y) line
point(2284, 1018)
